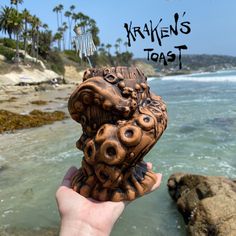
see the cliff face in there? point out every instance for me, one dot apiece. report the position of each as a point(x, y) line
point(146, 68)
point(24, 75)
point(72, 75)
point(208, 204)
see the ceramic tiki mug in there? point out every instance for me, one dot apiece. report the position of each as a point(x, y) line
point(121, 121)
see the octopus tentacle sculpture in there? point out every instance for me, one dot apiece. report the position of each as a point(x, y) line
point(121, 121)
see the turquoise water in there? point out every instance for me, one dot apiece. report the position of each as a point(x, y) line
point(200, 138)
point(219, 76)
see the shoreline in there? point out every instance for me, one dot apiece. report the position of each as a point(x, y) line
point(33, 106)
point(47, 97)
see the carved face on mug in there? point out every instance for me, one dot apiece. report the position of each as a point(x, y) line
point(121, 121)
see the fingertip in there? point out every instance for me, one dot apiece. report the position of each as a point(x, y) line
point(159, 176)
point(149, 165)
point(61, 191)
point(158, 181)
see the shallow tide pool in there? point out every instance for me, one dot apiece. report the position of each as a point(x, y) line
point(200, 138)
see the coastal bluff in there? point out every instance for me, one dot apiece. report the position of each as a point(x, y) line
point(207, 203)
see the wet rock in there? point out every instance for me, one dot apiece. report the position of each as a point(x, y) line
point(3, 167)
point(10, 121)
point(2, 58)
point(207, 203)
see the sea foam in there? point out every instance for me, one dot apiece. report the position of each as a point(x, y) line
point(202, 78)
point(218, 76)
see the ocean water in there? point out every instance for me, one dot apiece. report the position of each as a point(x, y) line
point(200, 138)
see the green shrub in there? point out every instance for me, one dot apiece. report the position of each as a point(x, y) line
point(71, 55)
point(7, 52)
point(11, 43)
point(55, 62)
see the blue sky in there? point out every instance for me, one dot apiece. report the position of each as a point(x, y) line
point(213, 22)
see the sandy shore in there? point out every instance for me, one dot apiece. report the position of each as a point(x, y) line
point(24, 99)
point(33, 106)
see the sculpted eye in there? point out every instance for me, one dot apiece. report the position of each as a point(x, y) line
point(146, 122)
point(111, 78)
point(90, 152)
point(146, 119)
point(111, 152)
point(104, 133)
point(130, 135)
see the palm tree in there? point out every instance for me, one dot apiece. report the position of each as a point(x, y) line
point(17, 26)
point(108, 47)
point(61, 30)
point(35, 24)
point(16, 2)
point(57, 37)
point(16, 22)
point(60, 7)
point(38, 23)
point(68, 14)
point(5, 25)
point(84, 20)
point(94, 31)
point(64, 28)
point(45, 27)
point(116, 47)
point(57, 9)
point(26, 17)
point(126, 46)
point(119, 41)
point(102, 47)
point(72, 8)
point(75, 17)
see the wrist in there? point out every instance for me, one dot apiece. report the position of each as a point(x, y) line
point(80, 229)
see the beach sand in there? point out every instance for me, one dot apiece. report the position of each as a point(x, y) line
point(23, 99)
point(33, 106)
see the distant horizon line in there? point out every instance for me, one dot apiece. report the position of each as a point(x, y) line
point(195, 54)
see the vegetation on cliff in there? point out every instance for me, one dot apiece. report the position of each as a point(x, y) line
point(193, 63)
point(26, 35)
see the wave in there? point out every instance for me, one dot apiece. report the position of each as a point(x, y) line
point(231, 78)
point(2, 158)
point(200, 100)
point(219, 72)
point(151, 78)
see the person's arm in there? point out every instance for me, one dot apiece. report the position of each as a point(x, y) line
point(82, 216)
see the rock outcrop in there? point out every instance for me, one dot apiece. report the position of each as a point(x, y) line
point(26, 75)
point(146, 68)
point(72, 75)
point(207, 203)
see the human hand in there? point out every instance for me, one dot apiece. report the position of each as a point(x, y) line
point(85, 216)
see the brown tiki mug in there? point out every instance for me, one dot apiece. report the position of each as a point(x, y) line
point(121, 122)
